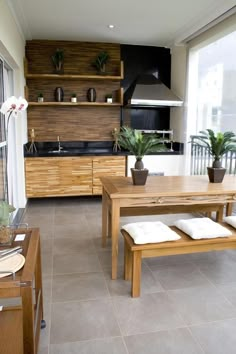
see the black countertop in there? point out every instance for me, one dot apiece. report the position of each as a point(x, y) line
point(88, 148)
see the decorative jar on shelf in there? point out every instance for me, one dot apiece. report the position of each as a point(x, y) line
point(59, 94)
point(91, 94)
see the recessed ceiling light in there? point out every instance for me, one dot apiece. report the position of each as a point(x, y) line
point(111, 26)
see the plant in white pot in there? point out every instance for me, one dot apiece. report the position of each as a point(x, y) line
point(139, 144)
point(217, 144)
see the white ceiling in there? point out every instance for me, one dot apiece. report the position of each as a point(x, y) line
point(148, 22)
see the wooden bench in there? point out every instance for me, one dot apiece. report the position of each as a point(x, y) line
point(134, 253)
point(206, 209)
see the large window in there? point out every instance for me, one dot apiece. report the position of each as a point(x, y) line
point(212, 82)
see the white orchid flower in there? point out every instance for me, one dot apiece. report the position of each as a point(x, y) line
point(14, 105)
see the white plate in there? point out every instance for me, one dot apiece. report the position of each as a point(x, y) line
point(12, 264)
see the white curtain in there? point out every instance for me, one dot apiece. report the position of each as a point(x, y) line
point(11, 146)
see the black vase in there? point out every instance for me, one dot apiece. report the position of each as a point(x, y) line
point(91, 94)
point(59, 94)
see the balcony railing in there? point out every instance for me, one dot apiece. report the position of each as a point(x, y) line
point(201, 159)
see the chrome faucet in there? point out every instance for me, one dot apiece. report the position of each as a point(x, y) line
point(59, 144)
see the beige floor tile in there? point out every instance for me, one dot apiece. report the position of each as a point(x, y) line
point(98, 346)
point(72, 245)
point(76, 263)
point(201, 304)
point(217, 337)
point(74, 287)
point(176, 341)
point(75, 321)
point(179, 276)
point(149, 313)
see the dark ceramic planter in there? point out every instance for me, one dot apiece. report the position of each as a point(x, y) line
point(139, 176)
point(216, 175)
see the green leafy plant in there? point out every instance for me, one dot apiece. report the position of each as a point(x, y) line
point(101, 61)
point(5, 211)
point(73, 95)
point(139, 144)
point(58, 59)
point(217, 144)
point(40, 95)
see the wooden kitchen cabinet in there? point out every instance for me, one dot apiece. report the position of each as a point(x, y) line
point(70, 176)
point(107, 166)
point(58, 176)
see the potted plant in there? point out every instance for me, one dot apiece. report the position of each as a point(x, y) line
point(108, 98)
point(100, 62)
point(73, 97)
point(5, 231)
point(40, 97)
point(139, 144)
point(217, 144)
point(58, 60)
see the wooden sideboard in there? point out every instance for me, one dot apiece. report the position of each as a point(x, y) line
point(27, 284)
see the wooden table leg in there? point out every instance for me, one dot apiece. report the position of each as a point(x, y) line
point(28, 319)
point(220, 214)
point(136, 276)
point(115, 223)
point(229, 209)
point(104, 217)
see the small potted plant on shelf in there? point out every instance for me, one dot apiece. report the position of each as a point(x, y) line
point(58, 60)
point(100, 62)
point(5, 231)
point(73, 98)
point(108, 98)
point(139, 144)
point(40, 97)
point(217, 144)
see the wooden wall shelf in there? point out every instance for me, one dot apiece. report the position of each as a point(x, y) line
point(75, 77)
point(103, 104)
point(87, 120)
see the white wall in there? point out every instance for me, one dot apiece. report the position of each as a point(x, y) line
point(12, 49)
point(171, 165)
point(178, 86)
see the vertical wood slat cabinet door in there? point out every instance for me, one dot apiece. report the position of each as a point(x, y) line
point(58, 176)
point(81, 182)
point(107, 166)
point(41, 177)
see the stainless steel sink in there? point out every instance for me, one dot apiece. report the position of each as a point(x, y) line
point(58, 151)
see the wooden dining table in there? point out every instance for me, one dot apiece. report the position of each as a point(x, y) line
point(160, 194)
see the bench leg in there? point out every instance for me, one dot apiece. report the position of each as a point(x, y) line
point(127, 263)
point(229, 209)
point(220, 214)
point(136, 274)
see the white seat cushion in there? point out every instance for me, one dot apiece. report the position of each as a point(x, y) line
point(231, 220)
point(199, 228)
point(150, 232)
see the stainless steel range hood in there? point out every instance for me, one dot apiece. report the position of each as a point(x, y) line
point(148, 91)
